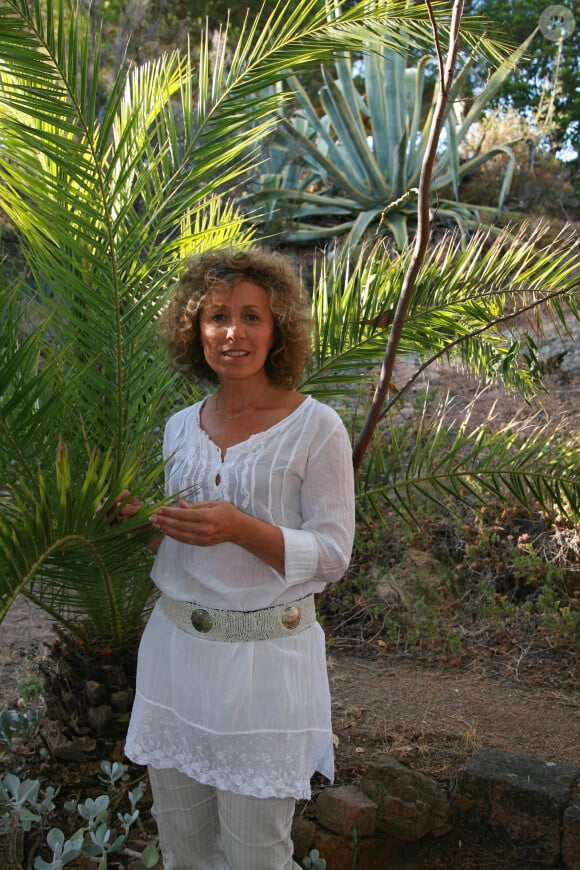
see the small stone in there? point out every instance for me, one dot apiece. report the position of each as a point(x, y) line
point(303, 831)
point(345, 810)
point(87, 744)
point(101, 719)
point(59, 745)
point(121, 701)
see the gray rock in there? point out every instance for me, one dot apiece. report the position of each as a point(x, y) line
point(515, 802)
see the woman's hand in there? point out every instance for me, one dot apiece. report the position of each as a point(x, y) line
point(217, 522)
point(203, 524)
point(131, 505)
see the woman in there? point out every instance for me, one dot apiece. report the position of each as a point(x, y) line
point(232, 707)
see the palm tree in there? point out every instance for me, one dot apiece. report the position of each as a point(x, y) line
point(107, 201)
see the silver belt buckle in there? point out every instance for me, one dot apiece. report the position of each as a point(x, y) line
point(201, 620)
point(291, 617)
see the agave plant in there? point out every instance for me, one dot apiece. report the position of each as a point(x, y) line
point(481, 305)
point(354, 164)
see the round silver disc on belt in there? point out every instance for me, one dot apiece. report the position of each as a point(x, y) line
point(291, 617)
point(201, 620)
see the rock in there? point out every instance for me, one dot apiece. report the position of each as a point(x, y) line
point(515, 802)
point(377, 854)
point(560, 353)
point(345, 810)
point(59, 745)
point(121, 701)
point(101, 719)
point(336, 851)
point(303, 831)
point(114, 677)
point(409, 804)
point(571, 834)
point(95, 692)
point(571, 361)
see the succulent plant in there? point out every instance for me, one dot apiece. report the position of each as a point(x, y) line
point(355, 163)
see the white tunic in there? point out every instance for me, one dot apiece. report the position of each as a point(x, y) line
point(251, 717)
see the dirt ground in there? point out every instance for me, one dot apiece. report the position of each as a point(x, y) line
point(434, 719)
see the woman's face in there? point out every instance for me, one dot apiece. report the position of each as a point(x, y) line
point(237, 330)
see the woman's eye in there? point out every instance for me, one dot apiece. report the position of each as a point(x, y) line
point(252, 317)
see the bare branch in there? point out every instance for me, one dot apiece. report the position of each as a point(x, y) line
point(447, 69)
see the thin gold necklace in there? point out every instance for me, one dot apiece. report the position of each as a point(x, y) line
point(229, 417)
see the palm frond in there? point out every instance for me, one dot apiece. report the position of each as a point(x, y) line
point(70, 546)
point(443, 461)
point(474, 304)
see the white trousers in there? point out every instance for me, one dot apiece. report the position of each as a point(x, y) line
point(204, 828)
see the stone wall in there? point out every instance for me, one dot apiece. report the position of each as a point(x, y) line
point(505, 812)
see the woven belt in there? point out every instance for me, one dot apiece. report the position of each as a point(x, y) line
point(241, 625)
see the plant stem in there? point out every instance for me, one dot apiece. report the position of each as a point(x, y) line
point(446, 74)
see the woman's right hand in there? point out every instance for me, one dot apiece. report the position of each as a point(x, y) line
point(130, 505)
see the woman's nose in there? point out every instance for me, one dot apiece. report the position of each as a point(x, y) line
point(235, 328)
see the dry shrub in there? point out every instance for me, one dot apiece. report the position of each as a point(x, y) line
point(540, 184)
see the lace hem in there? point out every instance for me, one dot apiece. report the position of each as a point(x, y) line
point(261, 764)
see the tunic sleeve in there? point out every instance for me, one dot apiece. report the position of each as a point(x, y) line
point(321, 548)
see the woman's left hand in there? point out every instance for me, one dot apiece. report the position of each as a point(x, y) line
point(203, 524)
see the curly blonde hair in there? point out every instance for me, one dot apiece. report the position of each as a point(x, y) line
point(219, 269)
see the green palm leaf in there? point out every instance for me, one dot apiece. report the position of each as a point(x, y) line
point(450, 466)
point(467, 299)
point(475, 304)
point(72, 548)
